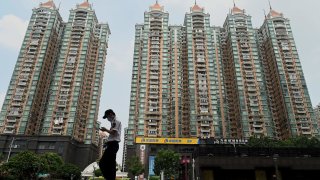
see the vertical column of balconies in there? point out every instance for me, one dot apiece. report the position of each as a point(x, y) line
point(294, 84)
point(276, 99)
point(249, 74)
point(171, 80)
point(221, 91)
point(185, 117)
point(204, 119)
point(174, 78)
point(232, 95)
point(153, 109)
point(97, 63)
point(136, 83)
point(88, 89)
point(64, 99)
point(24, 89)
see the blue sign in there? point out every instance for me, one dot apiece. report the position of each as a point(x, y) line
point(151, 165)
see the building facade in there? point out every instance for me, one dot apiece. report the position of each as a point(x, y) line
point(249, 113)
point(201, 81)
point(56, 84)
point(24, 105)
point(204, 117)
point(149, 104)
point(76, 85)
point(289, 99)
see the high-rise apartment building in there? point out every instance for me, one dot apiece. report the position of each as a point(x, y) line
point(249, 113)
point(76, 85)
point(56, 84)
point(24, 105)
point(201, 77)
point(149, 104)
point(292, 112)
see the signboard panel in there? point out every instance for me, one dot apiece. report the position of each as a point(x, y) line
point(151, 165)
point(142, 140)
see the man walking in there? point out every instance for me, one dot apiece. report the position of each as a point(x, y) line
point(108, 162)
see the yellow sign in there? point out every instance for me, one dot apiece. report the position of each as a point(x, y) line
point(142, 140)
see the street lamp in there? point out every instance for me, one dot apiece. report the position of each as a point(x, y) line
point(275, 160)
point(13, 141)
point(193, 169)
point(11, 144)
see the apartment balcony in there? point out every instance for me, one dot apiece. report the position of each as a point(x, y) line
point(297, 96)
point(153, 96)
point(198, 24)
point(8, 131)
point(56, 133)
point(258, 131)
point(58, 121)
point(204, 110)
point(202, 65)
point(17, 98)
point(41, 23)
point(298, 101)
point(79, 23)
point(16, 104)
point(250, 80)
point(57, 127)
point(14, 114)
point(153, 112)
point(204, 104)
point(152, 124)
point(279, 25)
point(251, 88)
point(11, 125)
point(249, 75)
point(11, 120)
point(199, 37)
point(201, 70)
point(257, 125)
point(155, 28)
point(67, 80)
point(205, 124)
point(295, 87)
point(254, 104)
point(29, 60)
point(154, 82)
point(20, 83)
point(205, 130)
point(68, 75)
point(197, 20)
point(66, 84)
point(152, 135)
point(252, 85)
point(61, 104)
point(26, 69)
point(153, 104)
point(305, 127)
point(301, 111)
point(299, 106)
point(306, 132)
point(68, 70)
point(156, 20)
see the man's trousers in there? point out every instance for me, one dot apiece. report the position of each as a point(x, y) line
point(108, 162)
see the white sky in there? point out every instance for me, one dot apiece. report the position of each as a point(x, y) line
point(122, 15)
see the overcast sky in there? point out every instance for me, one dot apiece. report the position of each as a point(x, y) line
point(122, 15)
